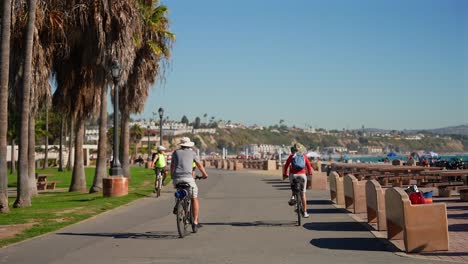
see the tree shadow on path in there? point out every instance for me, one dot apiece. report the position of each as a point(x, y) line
point(335, 226)
point(319, 202)
point(355, 243)
point(254, 224)
point(146, 235)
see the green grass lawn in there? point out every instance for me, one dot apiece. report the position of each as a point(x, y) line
point(52, 210)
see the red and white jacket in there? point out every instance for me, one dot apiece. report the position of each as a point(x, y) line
point(288, 168)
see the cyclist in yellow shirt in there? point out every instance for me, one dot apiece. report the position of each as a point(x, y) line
point(160, 165)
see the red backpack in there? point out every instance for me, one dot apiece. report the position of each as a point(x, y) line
point(416, 198)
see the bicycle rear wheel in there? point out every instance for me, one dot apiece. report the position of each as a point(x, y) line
point(299, 208)
point(159, 186)
point(194, 227)
point(181, 225)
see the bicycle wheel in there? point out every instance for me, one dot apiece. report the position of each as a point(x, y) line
point(159, 185)
point(194, 227)
point(180, 218)
point(299, 208)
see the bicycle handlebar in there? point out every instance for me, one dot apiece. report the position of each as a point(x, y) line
point(197, 177)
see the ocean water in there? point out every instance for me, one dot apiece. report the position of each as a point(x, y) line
point(404, 158)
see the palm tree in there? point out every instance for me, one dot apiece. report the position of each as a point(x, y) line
point(204, 117)
point(60, 165)
point(101, 161)
point(4, 72)
point(32, 154)
point(46, 137)
point(136, 134)
point(153, 50)
point(23, 198)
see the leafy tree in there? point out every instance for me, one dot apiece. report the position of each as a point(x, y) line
point(197, 123)
point(184, 120)
point(197, 142)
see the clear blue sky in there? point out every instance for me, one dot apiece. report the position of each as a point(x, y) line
point(332, 64)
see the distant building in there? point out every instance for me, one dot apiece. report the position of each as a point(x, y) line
point(371, 150)
point(336, 149)
point(310, 130)
point(204, 131)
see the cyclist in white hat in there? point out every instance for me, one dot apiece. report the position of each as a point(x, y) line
point(181, 171)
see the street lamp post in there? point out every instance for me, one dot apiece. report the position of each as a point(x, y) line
point(116, 169)
point(149, 149)
point(161, 113)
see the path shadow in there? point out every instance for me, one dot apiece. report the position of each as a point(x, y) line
point(273, 181)
point(358, 243)
point(458, 216)
point(321, 202)
point(451, 254)
point(458, 227)
point(457, 207)
point(447, 201)
point(326, 211)
point(281, 186)
point(335, 226)
point(146, 235)
point(254, 224)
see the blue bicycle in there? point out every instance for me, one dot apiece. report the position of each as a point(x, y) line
point(183, 207)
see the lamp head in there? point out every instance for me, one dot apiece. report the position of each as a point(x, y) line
point(116, 70)
point(161, 112)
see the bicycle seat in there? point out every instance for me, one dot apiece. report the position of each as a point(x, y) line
point(298, 181)
point(182, 185)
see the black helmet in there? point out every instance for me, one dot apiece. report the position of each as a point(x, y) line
point(294, 148)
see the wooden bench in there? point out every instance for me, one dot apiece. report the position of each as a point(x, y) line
point(423, 227)
point(336, 189)
point(449, 189)
point(355, 194)
point(43, 183)
point(375, 203)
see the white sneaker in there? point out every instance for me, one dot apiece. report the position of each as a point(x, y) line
point(292, 201)
point(305, 215)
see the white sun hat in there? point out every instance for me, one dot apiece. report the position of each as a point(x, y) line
point(161, 148)
point(185, 142)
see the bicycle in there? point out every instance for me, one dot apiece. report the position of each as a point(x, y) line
point(184, 208)
point(159, 182)
point(297, 186)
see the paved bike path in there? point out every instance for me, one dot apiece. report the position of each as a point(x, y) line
point(246, 220)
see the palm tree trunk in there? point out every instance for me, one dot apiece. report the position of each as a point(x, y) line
point(60, 168)
point(4, 71)
point(125, 143)
point(32, 156)
point(101, 162)
point(46, 138)
point(23, 198)
point(78, 183)
point(70, 144)
point(13, 158)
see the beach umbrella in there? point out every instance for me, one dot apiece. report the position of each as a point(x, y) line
point(431, 154)
point(391, 155)
point(312, 154)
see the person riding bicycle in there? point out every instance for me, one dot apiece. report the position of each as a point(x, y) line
point(182, 169)
point(159, 161)
point(293, 172)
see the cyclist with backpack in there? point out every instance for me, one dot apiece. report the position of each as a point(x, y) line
point(160, 165)
point(297, 166)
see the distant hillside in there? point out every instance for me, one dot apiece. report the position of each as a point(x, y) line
point(454, 130)
point(237, 139)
